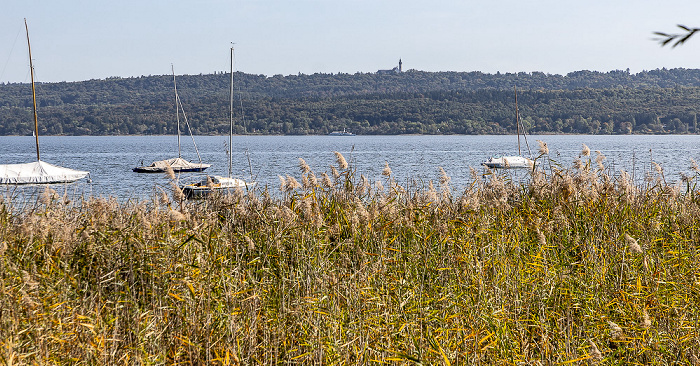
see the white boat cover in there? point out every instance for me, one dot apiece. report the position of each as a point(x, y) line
point(38, 172)
point(177, 164)
point(506, 162)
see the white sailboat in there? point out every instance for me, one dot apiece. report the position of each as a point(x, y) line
point(518, 161)
point(178, 165)
point(341, 133)
point(217, 183)
point(38, 172)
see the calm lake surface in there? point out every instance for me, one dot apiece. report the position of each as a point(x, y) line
point(411, 158)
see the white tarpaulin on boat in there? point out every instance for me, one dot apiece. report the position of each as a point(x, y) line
point(177, 164)
point(37, 172)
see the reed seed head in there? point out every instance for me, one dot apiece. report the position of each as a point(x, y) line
point(646, 321)
point(444, 178)
point(305, 168)
point(473, 173)
point(541, 238)
point(292, 184)
point(585, 151)
point(599, 159)
point(326, 180)
point(177, 192)
point(632, 244)
point(364, 185)
point(312, 179)
point(594, 352)
point(544, 149)
point(283, 183)
point(174, 215)
point(615, 330)
point(340, 159)
point(164, 199)
point(432, 193)
point(250, 243)
point(378, 186)
point(170, 172)
point(48, 195)
point(386, 171)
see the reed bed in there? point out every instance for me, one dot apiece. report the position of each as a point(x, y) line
point(574, 266)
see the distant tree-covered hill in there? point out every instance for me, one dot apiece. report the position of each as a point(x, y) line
point(616, 102)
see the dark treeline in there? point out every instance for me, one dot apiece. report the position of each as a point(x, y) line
point(616, 102)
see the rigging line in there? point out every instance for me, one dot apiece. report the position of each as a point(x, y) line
point(240, 99)
point(2, 74)
point(525, 137)
point(188, 128)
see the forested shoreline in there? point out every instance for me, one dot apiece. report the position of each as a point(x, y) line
point(663, 101)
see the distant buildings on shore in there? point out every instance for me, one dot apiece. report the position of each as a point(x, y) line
point(395, 70)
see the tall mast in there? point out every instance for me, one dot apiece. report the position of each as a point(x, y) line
point(177, 111)
point(230, 133)
point(31, 68)
point(517, 117)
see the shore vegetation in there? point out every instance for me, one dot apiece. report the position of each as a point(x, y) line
point(575, 265)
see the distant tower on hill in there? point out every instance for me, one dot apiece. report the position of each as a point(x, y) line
point(395, 70)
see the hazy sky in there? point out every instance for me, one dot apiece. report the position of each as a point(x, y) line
point(75, 40)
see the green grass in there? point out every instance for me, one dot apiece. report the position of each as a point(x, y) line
point(347, 272)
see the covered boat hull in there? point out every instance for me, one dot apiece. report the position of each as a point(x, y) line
point(148, 169)
point(38, 172)
point(508, 162)
point(178, 165)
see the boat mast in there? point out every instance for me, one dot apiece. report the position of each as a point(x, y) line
point(517, 117)
point(230, 133)
point(31, 68)
point(177, 112)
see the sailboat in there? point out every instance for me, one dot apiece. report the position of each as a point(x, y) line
point(341, 133)
point(217, 183)
point(178, 165)
point(519, 161)
point(38, 172)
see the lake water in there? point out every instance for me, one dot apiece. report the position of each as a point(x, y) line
point(110, 159)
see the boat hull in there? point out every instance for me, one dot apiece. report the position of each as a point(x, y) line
point(146, 169)
point(214, 185)
point(178, 165)
point(341, 134)
point(509, 162)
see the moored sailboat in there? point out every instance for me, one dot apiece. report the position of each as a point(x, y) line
point(38, 172)
point(341, 133)
point(215, 183)
point(516, 161)
point(178, 165)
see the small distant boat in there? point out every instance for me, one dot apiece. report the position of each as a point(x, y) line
point(178, 165)
point(38, 172)
point(341, 133)
point(512, 162)
point(215, 183)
